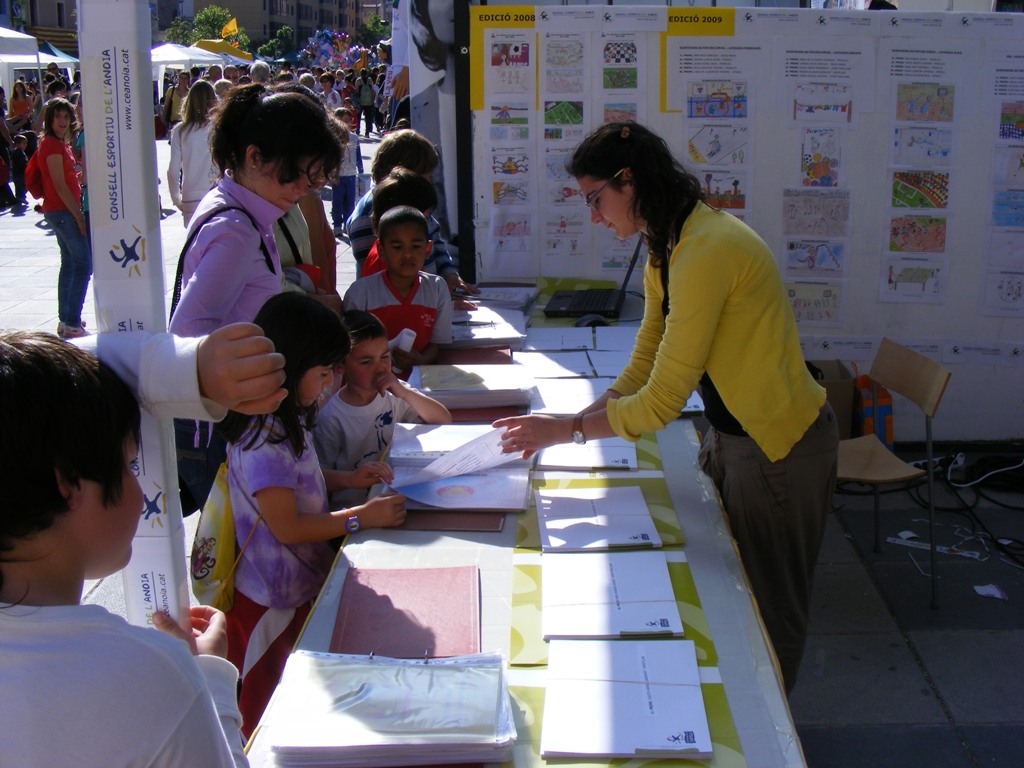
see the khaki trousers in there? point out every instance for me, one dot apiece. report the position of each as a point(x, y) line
point(776, 513)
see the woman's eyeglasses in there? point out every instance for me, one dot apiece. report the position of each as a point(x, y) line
point(591, 200)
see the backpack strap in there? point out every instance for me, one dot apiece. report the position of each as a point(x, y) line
point(179, 273)
point(291, 240)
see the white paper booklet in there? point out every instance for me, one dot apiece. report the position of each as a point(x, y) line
point(559, 364)
point(542, 339)
point(603, 453)
point(561, 397)
point(615, 337)
point(519, 297)
point(488, 326)
point(624, 698)
point(474, 386)
point(583, 519)
point(451, 710)
point(607, 595)
point(609, 362)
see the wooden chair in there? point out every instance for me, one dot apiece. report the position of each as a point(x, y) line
point(867, 460)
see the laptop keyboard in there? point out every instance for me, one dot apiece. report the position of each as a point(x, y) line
point(593, 299)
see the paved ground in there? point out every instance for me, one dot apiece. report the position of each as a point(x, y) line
point(29, 259)
point(886, 680)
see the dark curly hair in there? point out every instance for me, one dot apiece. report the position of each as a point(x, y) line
point(664, 192)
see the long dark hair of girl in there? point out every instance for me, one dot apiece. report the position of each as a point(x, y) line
point(664, 192)
point(308, 334)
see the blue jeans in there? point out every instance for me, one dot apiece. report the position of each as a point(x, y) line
point(343, 200)
point(75, 266)
point(200, 453)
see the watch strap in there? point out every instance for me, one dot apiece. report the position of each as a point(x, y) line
point(577, 426)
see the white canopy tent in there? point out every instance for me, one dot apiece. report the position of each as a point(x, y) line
point(17, 51)
point(180, 56)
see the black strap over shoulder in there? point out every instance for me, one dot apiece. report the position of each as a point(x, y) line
point(291, 240)
point(176, 294)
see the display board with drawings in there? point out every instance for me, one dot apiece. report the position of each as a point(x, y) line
point(874, 153)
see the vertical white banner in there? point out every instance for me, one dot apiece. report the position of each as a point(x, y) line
point(128, 283)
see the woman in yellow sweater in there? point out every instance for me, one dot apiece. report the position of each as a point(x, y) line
point(715, 314)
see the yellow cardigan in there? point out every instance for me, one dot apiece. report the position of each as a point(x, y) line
point(728, 314)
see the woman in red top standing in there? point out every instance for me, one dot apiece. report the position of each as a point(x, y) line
point(62, 209)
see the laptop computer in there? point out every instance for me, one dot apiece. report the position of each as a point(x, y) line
point(606, 302)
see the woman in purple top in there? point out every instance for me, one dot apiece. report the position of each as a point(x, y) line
point(272, 147)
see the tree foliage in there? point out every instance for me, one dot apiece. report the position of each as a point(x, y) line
point(206, 25)
point(372, 32)
point(274, 49)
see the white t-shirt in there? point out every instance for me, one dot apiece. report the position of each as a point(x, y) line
point(347, 435)
point(83, 687)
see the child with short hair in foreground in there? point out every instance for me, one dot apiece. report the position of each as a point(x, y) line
point(355, 428)
point(278, 493)
point(403, 295)
point(78, 679)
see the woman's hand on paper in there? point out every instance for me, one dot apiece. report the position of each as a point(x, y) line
point(531, 433)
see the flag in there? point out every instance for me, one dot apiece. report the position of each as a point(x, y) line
point(229, 29)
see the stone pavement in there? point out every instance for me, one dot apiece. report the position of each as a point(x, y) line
point(29, 259)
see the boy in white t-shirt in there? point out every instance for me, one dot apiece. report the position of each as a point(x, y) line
point(71, 509)
point(354, 429)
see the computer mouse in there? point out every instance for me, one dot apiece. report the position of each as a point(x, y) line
point(589, 321)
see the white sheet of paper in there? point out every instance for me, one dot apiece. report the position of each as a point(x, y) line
point(475, 456)
point(609, 362)
point(545, 339)
point(555, 364)
point(607, 594)
point(422, 443)
point(615, 337)
point(624, 698)
point(583, 519)
point(561, 397)
point(603, 453)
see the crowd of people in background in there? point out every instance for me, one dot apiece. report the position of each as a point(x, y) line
point(47, 119)
point(359, 90)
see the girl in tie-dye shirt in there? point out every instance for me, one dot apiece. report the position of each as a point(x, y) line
point(278, 494)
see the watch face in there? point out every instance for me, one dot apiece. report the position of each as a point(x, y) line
point(578, 438)
point(352, 524)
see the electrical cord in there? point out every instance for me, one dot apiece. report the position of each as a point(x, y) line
point(991, 472)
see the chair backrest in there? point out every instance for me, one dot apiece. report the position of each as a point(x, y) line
point(908, 373)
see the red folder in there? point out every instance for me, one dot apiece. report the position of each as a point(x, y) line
point(409, 613)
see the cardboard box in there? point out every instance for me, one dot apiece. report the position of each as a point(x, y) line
point(839, 385)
